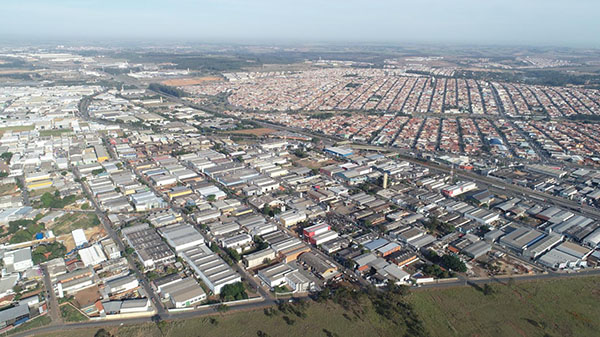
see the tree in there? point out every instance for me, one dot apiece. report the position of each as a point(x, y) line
point(211, 197)
point(6, 156)
point(488, 290)
point(454, 263)
point(102, 333)
point(235, 291)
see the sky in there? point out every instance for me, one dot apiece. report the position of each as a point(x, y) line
point(569, 23)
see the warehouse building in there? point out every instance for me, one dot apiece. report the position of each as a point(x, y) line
point(274, 276)
point(258, 258)
point(210, 268)
point(183, 293)
point(182, 236)
point(148, 245)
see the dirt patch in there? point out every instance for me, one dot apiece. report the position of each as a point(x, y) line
point(182, 82)
point(92, 234)
point(256, 132)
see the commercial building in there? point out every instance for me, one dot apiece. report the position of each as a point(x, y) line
point(148, 245)
point(210, 268)
point(258, 258)
point(274, 276)
point(92, 255)
point(182, 236)
point(183, 293)
point(458, 189)
point(18, 260)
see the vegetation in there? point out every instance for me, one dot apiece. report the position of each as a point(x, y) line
point(68, 222)
point(37, 322)
point(271, 211)
point(447, 261)
point(558, 307)
point(434, 225)
point(561, 307)
point(300, 153)
point(235, 291)
point(49, 200)
point(24, 230)
point(165, 89)
point(56, 132)
point(233, 254)
point(70, 314)
point(98, 171)
point(6, 156)
point(323, 115)
point(48, 252)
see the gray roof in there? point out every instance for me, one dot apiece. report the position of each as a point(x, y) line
point(14, 312)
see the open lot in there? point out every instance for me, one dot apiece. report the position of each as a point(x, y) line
point(7, 189)
point(256, 132)
point(71, 221)
point(180, 82)
point(16, 128)
point(567, 307)
point(93, 233)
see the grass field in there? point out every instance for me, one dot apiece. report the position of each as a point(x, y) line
point(35, 323)
point(322, 319)
point(70, 314)
point(70, 221)
point(57, 132)
point(568, 307)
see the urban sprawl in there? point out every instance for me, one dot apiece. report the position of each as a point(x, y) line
point(120, 199)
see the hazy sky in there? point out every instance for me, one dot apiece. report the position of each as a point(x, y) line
point(518, 22)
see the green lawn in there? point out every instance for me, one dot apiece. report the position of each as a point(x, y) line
point(567, 307)
point(57, 132)
point(70, 314)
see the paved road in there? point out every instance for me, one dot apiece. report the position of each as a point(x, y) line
point(51, 300)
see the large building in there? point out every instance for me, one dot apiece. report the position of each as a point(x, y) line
point(182, 236)
point(148, 245)
point(18, 260)
point(183, 293)
point(210, 268)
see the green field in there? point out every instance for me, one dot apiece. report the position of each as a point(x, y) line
point(70, 314)
point(567, 307)
point(57, 132)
